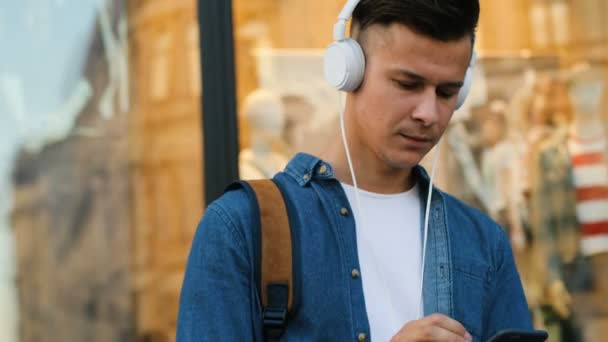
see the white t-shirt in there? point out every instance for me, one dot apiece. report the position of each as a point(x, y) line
point(390, 253)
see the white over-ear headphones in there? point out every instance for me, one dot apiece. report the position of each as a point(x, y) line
point(344, 62)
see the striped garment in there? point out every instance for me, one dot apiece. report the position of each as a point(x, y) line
point(590, 176)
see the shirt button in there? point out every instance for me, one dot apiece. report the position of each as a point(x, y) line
point(343, 211)
point(306, 176)
point(362, 337)
point(323, 169)
point(355, 273)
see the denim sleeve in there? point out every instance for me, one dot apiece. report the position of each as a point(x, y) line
point(507, 307)
point(215, 301)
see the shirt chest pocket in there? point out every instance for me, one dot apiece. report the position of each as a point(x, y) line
point(471, 284)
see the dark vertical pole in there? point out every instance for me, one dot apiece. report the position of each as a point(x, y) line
point(220, 132)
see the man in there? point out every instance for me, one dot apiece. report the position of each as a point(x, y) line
point(363, 281)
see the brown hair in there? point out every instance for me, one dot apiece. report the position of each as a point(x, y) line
point(444, 20)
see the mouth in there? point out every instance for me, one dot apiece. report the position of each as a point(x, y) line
point(417, 140)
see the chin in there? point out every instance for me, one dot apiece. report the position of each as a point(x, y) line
point(404, 160)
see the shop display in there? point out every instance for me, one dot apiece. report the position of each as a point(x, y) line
point(529, 147)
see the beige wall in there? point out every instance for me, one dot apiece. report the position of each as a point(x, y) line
point(503, 26)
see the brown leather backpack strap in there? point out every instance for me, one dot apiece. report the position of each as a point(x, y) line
point(276, 253)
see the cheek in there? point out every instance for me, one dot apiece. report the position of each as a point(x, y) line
point(444, 118)
point(378, 103)
point(378, 100)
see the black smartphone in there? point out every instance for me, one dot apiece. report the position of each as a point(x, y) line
point(520, 335)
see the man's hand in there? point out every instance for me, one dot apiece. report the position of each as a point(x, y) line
point(435, 327)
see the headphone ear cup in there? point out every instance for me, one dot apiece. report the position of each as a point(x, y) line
point(344, 65)
point(466, 86)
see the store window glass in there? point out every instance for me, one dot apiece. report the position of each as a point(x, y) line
point(529, 147)
point(100, 167)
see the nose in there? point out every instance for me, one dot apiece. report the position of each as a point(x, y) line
point(426, 111)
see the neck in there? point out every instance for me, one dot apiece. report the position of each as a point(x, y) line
point(372, 173)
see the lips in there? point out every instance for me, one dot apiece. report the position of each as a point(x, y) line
point(417, 140)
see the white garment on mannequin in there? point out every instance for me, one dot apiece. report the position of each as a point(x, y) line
point(495, 161)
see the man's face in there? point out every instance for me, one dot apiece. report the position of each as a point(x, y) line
point(408, 94)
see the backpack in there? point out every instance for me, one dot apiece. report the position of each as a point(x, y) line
point(274, 267)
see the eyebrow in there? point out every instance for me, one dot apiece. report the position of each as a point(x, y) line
point(419, 78)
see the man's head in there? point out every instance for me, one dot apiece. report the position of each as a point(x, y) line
point(444, 20)
point(417, 53)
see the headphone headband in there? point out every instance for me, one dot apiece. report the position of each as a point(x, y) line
point(345, 14)
point(348, 9)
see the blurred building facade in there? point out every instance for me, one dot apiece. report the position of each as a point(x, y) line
point(165, 156)
point(103, 218)
point(72, 221)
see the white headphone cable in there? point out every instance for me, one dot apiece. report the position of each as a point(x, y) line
point(348, 157)
point(426, 229)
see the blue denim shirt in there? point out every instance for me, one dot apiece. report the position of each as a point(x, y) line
point(470, 274)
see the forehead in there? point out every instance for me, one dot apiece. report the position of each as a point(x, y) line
point(399, 46)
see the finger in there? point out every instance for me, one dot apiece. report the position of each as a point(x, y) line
point(437, 333)
point(448, 323)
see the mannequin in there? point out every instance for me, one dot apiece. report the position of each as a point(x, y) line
point(552, 199)
point(299, 132)
point(268, 153)
point(525, 116)
point(588, 151)
point(499, 174)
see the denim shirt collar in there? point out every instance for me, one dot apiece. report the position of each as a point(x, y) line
point(303, 168)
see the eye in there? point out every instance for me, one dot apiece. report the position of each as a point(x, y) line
point(446, 93)
point(407, 85)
